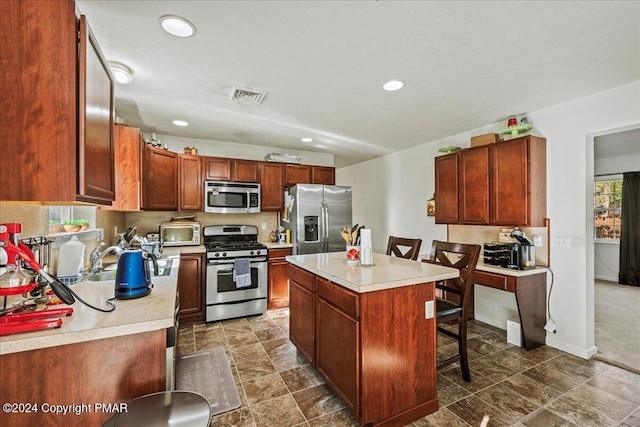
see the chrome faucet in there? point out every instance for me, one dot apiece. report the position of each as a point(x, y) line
point(96, 256)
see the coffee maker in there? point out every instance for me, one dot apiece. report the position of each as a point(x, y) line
point(522, 255)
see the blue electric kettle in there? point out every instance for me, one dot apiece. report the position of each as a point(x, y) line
point(133, 278)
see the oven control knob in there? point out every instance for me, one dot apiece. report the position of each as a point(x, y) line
point(224, 254)
point(216, 254)
point(258, 252)
point(250, 252)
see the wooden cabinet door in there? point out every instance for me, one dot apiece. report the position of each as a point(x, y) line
point(191, 190)
point(323, 175)
point(217, 168)
point(161, 179)
point(128, 147)
point(518, 182)
point(338, 352)
point(190, 287)
point(509, 189)
point(278, 290)
point(297, 174)
point(473, 197)
point(446, 168)
point(271, 186)
point(96, 176)
point(302, 312)
point(245, 171)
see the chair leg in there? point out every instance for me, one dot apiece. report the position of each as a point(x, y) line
point(462, 348)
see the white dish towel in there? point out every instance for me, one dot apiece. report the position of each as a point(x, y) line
point(242, 272)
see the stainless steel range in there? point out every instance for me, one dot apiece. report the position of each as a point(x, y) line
point(236, 277)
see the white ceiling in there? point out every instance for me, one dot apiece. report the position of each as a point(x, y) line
point(465, 64)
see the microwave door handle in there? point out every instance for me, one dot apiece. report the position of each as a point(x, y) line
point(248, 200)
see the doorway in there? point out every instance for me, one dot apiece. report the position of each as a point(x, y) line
point(615, 306)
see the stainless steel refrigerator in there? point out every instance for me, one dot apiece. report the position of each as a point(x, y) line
point(314, 215)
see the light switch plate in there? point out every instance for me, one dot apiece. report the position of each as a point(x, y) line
point(428, 309)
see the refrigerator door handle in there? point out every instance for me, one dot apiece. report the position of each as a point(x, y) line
point(325, 227)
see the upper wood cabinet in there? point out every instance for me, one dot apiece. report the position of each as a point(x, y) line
point(272, 186)
point(191, 196)
point(297, 174)
point(323, 175)
point(54, 150)
point(160, 169)
point(446, 189)
point(518, 189)
point(245, 171)
point(473, 186)
point(217, 168)
point(128, 148)
point(498, 184)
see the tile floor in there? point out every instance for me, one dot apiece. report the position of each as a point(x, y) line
point(540, 388)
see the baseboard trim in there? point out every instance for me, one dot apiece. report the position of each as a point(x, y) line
point(584, 353)
point(606, 278)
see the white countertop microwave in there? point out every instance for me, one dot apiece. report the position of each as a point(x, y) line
point(231, 197)
point(180, 233)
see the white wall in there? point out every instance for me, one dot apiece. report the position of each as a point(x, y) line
point(390, 195)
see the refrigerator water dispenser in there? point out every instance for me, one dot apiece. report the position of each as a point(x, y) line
point(311, 228)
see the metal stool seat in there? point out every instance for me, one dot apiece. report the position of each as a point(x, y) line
point(176, 408)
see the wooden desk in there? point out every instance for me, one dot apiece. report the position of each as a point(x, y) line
point(530, 289)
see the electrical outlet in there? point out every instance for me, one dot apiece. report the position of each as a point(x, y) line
point(428, 309)
point(537, 240)
point(563, 242)
point(264, 225)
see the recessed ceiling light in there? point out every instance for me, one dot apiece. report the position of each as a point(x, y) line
point(392, 85)
point(177, 26)
point(121, 73)
point(180, 123)
point(307, 140)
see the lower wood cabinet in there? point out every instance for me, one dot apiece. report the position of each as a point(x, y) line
point(376, 350)
point(278, 289)
point(338, 342)
point(301, 311)
point(191, 287)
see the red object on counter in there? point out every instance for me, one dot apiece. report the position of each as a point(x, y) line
point(31, 321)
point(16, 328)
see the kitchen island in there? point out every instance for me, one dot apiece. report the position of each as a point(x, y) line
point(369, 331)
point(83, 372)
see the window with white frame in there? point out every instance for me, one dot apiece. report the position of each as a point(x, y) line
point(607, 202)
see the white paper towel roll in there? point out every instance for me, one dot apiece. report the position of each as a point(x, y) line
point(366, 251)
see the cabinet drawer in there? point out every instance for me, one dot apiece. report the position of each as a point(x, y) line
point(279, 253)
point(342, 298)
point(497, 281)
point(300, 276)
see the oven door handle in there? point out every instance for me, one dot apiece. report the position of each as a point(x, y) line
point(223, 262)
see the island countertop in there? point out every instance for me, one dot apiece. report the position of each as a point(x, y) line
point(152, 312)
point(386, 273)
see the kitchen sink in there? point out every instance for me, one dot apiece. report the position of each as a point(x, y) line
point(109, 272)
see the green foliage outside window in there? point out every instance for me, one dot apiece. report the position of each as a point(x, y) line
point(608, 208)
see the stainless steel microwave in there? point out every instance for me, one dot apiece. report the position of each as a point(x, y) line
point(231, 197)
point(180, 233)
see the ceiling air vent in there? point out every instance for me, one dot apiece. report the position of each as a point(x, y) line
point(247, 94)
point(282, 158)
